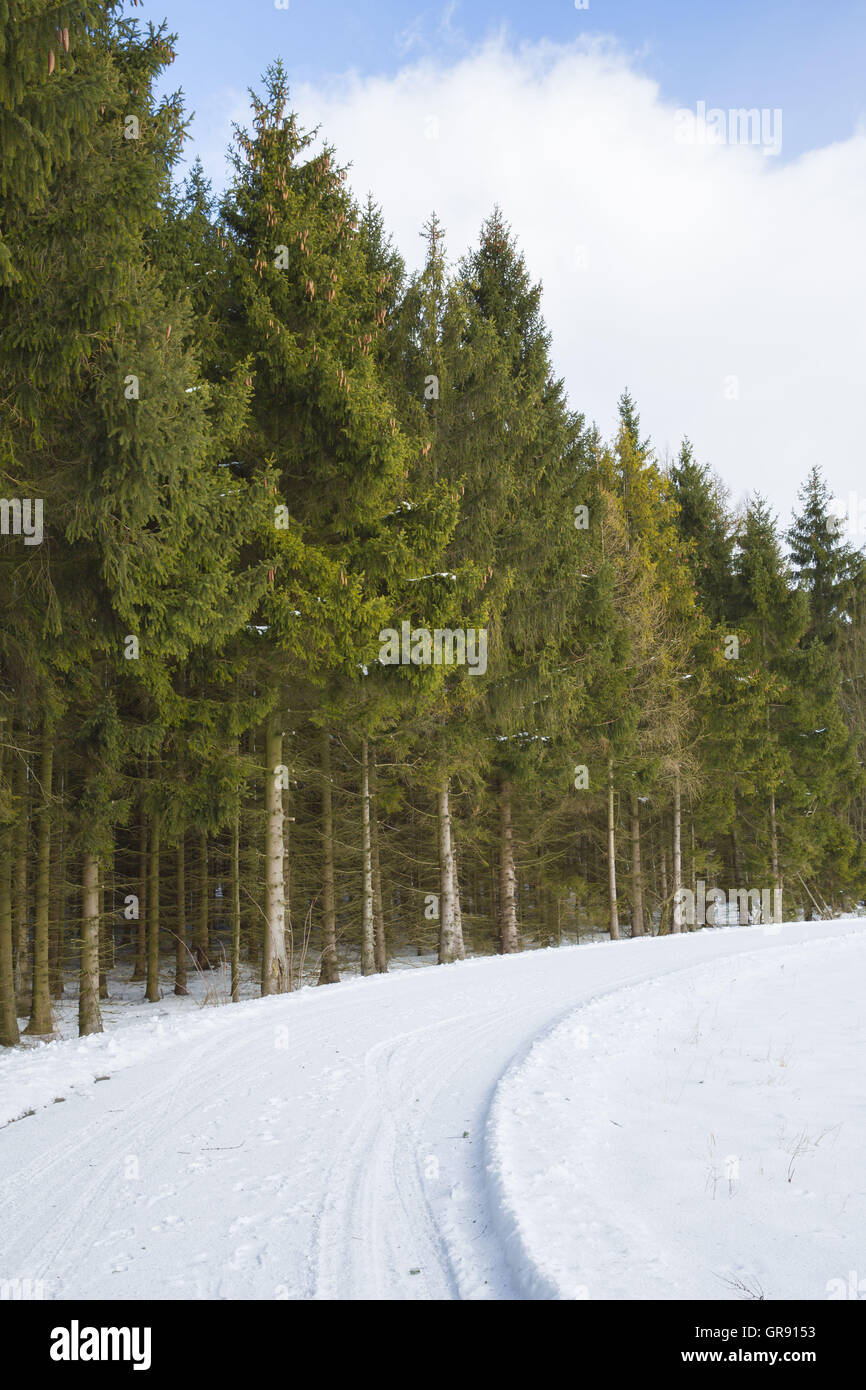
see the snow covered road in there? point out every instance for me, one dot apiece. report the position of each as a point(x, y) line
point(330, 1144)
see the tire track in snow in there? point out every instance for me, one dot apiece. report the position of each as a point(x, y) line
point(297, 1167)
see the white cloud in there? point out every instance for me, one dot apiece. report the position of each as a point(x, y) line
point(667, 267)
point(211, 132)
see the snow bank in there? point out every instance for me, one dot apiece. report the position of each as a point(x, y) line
point(700, 1135)
point(34, 1076)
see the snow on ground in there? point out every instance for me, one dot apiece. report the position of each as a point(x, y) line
point(409, 1136)
point(695, 1136)
point(31, 1077)
point(126, 1003)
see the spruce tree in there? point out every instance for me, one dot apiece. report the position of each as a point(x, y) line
point(303, 301)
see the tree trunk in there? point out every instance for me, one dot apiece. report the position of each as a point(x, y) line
point(447, 942)
point(287, 880)
point(152, 991)
point(275, 964)
point(677, 856)
point(106, 939)
point(9, 1036)
point(180, 954)
point(200, 943)
point(742, 903)
point(368, 930)
point(774, 834)
point(57, 932)
point(380, 945)
point(89, 1017)
point(19, 885)
point(735, 851)
point(611, 855)
point(250, 897)
point(329, 972)
point(459, 945)
point(637, 919)
point(139, 969)
point(236, 907)
point(41, 1022)
point(508, 938)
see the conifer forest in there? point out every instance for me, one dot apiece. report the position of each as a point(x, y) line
point(337, 639)
point(252, 445)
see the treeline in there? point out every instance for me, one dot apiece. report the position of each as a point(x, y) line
point(253, 471)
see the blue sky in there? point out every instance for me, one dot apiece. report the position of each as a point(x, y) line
point(806, 56)
point(722, 281)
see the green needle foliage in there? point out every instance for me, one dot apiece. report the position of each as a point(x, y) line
point(330, 630)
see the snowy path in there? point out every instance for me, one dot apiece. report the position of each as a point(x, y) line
point(704, 1132)
point(332, 1144)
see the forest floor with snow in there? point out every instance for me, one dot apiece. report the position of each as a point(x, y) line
point(660, 1118)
